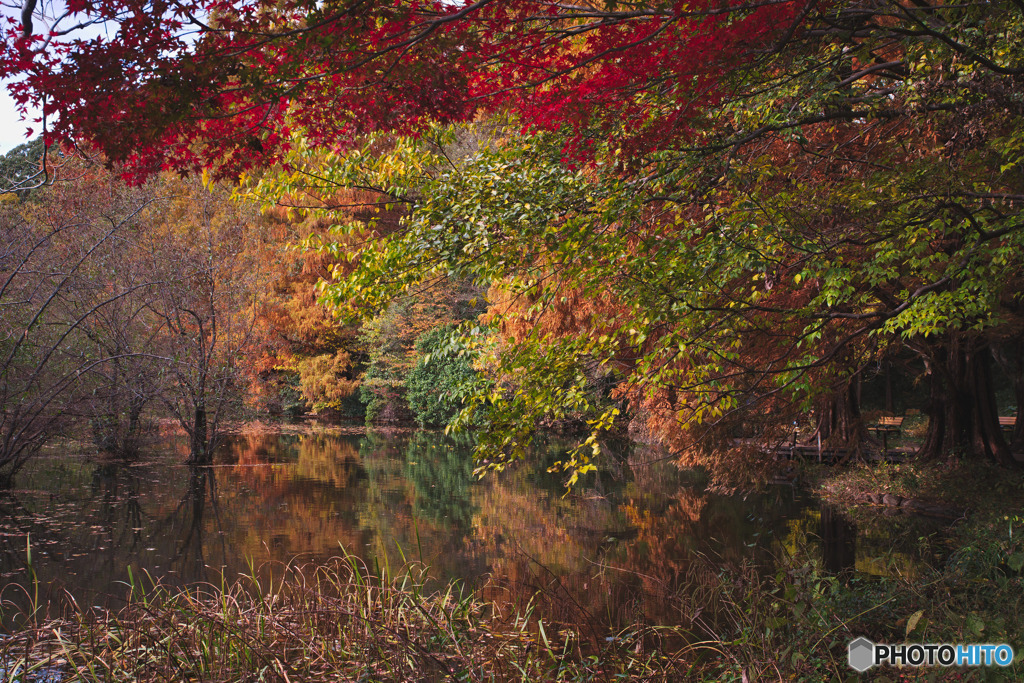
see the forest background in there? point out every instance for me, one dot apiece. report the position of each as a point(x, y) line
point(694, 223)
point(716, 227)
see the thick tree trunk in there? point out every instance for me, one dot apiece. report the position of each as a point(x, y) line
point(1010, 357)
point(964, 421)
point(200, 447)
point(839, 422)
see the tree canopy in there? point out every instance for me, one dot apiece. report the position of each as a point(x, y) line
point(699, 212)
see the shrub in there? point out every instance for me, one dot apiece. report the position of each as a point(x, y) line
point(436, 385)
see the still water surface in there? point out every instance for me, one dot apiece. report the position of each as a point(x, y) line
point(614, 548)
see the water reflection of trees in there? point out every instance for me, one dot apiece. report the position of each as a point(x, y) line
point(21, 526)
point(116, 487)
point(294, 495)
point(419, 500)
point(618, 552)
point(622, 557)
point(441, 472)
point(187, 524)
point(73, 542)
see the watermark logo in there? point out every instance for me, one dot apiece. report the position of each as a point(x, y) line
point(863, 654)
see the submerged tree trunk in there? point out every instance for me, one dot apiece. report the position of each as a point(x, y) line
point(200, 446)
point(839, 422)
point(118, 434)
point(963, 418)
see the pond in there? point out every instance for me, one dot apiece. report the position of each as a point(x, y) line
point(609, 552)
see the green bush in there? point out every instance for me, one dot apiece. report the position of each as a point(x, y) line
point(436, 385)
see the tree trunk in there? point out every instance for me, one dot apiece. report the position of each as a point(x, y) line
point(963, 420)
point(839, 421)
point(1010, 357)
point(200, 447)
point(888, 387)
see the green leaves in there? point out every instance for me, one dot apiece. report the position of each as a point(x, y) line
point(443, 379)
point(850, 196)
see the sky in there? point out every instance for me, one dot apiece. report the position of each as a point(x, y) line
point(12, 128)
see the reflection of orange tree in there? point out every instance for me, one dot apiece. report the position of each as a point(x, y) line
point(322, 457)
point(589, 561)
point(329, 459)
point(256, 448)
point(268, 513)
point(553, 551)
point(663, 559)
point(665, 540)
point(678, 558)
point(305, 507)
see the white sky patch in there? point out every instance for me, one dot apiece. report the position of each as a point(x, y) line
point(14, 127)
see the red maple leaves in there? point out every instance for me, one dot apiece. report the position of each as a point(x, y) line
point(199, 83)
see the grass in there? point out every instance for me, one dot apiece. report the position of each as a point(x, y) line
point(342, 621)
point(332, 622)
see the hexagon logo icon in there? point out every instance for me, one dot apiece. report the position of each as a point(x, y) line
point(862, 654)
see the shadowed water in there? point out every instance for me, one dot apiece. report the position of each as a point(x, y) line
point(608, 553)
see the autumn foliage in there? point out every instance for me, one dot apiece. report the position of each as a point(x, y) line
point(224, 84)
point(704, 219)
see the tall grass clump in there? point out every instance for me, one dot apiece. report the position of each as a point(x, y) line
point(342, 621)
point(337, 621)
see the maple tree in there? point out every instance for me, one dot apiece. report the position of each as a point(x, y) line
point(720, 206)
point(221, 82)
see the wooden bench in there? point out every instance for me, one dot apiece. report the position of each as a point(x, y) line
point(886, 426)
point(1007, 423)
